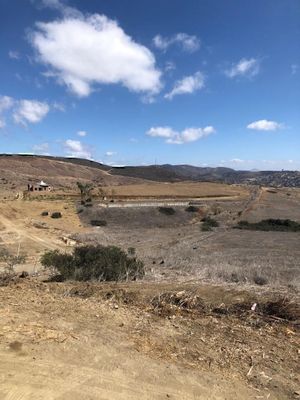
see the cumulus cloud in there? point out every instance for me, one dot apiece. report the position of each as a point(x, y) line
point(74, 148)
point(31, 111)
point(6, 103)
point(265, 125)
point(245, 67)
point(110, 153)
point(172, 136)
point(187, 85)
point(83, 51)
point(188, 43)
point(82, 133)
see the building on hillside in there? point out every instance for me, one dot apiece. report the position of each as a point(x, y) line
point(39, 187)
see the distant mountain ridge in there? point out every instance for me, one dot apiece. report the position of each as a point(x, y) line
point(177, 173)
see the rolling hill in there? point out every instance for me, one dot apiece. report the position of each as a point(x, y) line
point(18, 170)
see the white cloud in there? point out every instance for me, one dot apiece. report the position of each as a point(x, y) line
point(82, 133)
point(58, 106)
point(188, 84)
point(237, 161)
point(83, 51)
point(245, 67)
point(6, 103)
point(265, 125)
point(43, 147)
point(174, 137)
point(170, 66)
point(74, 148)
point(2, 123)
point(31, 111)
point(188, 43)
point(110, 153)
point(14, 55)
point(294, 69)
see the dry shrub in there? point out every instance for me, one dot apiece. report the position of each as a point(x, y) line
point(170, 302)
point(282, 308)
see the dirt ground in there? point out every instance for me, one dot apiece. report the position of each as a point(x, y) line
point(186, 332)
point(93, 341)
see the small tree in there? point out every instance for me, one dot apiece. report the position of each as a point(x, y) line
point(101, 193)
point(85, 191)
point(11, 260)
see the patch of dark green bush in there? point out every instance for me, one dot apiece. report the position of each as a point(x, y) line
point(192, 209)
point(44, 213)
point(100, 263)
point(166, 210)
point(281, 225)
point(260, 280)
point(98, 222)
point(56, 215)
point(208, 223)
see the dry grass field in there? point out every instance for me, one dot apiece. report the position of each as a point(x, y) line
point(177, 190)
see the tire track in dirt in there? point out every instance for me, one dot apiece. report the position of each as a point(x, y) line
point(11, 227)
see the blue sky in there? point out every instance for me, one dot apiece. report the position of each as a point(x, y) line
point(202, 82)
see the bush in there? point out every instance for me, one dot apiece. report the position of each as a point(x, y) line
point(208, 223)
point(192, 209)
point(98, 222)
point(283, 225)
point(260, 280)
point(166, 210)
point(11, 260)
point(94, 263)
point(44, 213)
point(56, 215)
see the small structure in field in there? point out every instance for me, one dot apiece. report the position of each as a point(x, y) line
point(39, 187)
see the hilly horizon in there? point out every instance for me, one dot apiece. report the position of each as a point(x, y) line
point(68, 170)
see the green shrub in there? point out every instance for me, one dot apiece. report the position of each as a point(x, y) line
point(208, 223)
point(11, 260)
point(94, 263)
point(192, 209)
point(56, 215)
point(44, 213)
point(166, 210)
point(260, 280)
point(98, 222)
point(283, 225)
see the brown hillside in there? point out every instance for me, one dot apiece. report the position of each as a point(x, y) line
point(16, 171)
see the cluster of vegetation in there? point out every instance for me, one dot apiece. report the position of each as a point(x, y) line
point(10, 260)
point(192, 209)
point(283, 225)
point(166, 210)
point(208, 223)
point(56, 214)
point(98, 222)
point(99, 263)
point(44, 213)
point(85, 193)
